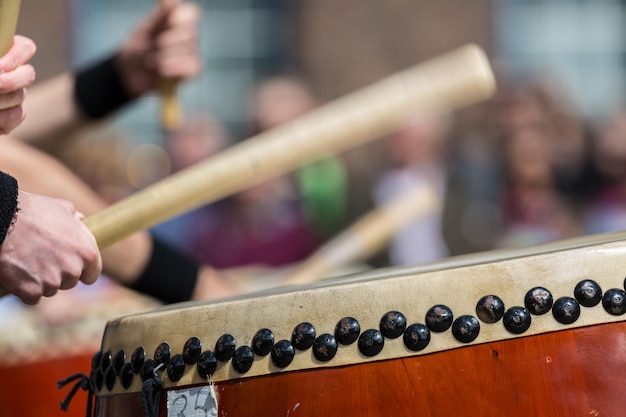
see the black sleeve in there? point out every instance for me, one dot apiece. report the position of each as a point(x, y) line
point(169, 276)
point(98, 89)
point(8, 203)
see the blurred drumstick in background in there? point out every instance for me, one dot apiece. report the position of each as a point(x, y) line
point(456, 79)
point(366, 236)
point(9, 13)
point(170, 105)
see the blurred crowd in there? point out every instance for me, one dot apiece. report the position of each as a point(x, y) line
point(522, 169)
point(538, 170)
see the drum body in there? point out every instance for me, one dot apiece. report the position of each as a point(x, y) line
point(30, 389)
point(44, 345)
point(516, 334)
point(571, 372)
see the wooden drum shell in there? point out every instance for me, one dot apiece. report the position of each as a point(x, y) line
point(30, 389)
point(552, 368)
point(570, 372)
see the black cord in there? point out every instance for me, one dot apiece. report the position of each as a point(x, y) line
point(82, 381)
point(151, 395)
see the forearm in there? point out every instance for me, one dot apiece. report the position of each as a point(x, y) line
point(41, 174)
point(157, 271)
point(59, 107)
point(51, 112)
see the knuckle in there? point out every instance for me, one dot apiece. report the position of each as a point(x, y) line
point(52, 283)
point(32, 46)
point(10, 118)
point(69, 278)
point(31, 73)
point(18, 96)
point(67, 205)
point(188, 12)
point(92, 255)
point(30, 300)
point(68, 284)
point(7, 83)
point(31, 295)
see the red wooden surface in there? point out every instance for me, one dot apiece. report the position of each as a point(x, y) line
point(576, 372)
point(30, 390)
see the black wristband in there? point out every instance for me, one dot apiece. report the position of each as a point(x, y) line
point(98, 89)
point(8, 203)
point(170, 276)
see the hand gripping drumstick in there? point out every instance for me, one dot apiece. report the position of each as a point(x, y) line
point(458, 78)
point(366, 236)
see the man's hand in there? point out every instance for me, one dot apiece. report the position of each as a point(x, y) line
point(163, 45)
point(15, 76)
point(47, 248)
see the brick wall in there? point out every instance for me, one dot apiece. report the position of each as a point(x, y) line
point(343, 45)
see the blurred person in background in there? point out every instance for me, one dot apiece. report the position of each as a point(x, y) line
point(519, 169)
point(416, 154)
point(282, 220)
point(471, 212)
point(533, 210)
point(606, 211)
point(321, 185)
point(198, 138)
point(543, 155)
point(539, 104)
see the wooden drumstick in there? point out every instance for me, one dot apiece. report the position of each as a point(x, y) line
point(9, 13)
point(170, 105)
point(366, 236)
point(458, 78)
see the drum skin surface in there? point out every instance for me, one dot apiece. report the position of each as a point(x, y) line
point(562, 354)
point(573, 372)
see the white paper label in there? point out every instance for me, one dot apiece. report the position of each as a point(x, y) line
point(198, 401)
